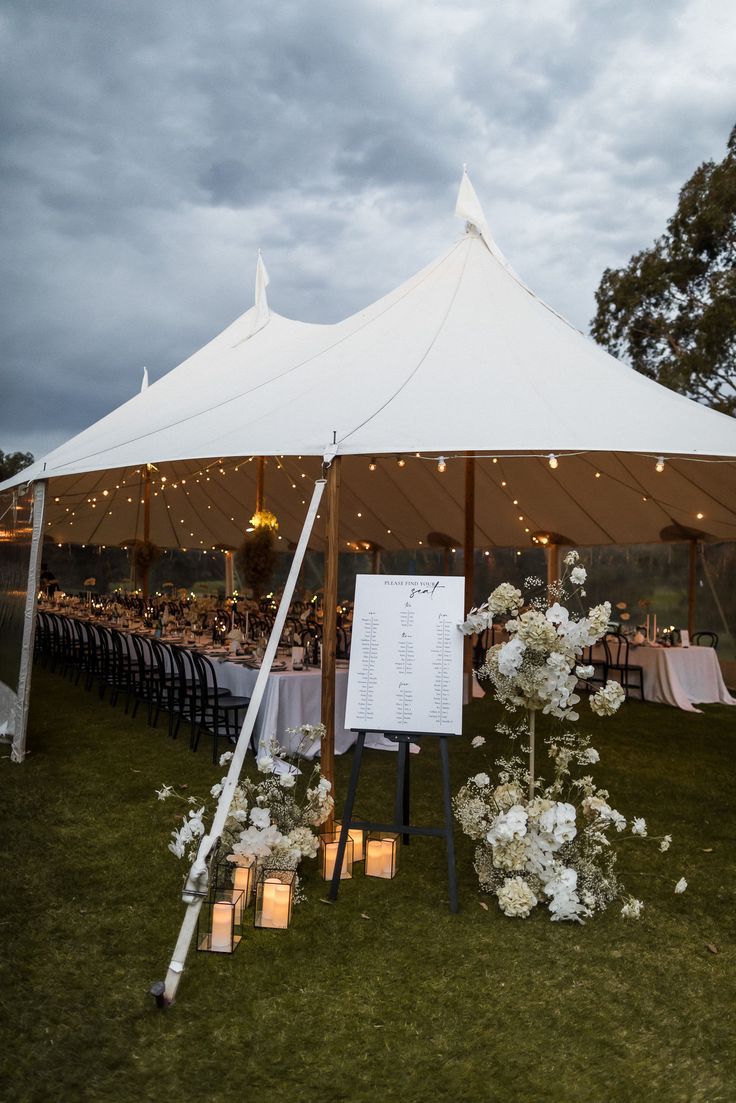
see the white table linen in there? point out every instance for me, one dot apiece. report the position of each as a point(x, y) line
point(679, 676)
point(293, 698)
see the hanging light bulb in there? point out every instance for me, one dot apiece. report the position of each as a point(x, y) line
point(372, 465)
point(401, 461)
point(659, 465)
point(552, 460)
point(441, 465)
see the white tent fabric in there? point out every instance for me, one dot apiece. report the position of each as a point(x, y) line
point(462, 358)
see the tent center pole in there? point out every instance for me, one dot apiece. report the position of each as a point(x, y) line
point(691, 587)
point(146, 528)
point(260, 482)
point(329, 624)
point(553, 568)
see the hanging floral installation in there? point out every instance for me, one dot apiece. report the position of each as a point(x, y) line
point(256, 556)
point(546, 841)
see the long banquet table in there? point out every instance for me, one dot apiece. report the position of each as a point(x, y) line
point(679, 676)
point(293, 698)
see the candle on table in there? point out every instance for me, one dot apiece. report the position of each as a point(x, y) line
point(654, 634)
point(222, 928)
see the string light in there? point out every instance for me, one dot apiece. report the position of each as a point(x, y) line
point(659, 465)
point(372, 465)
point(597, 474)
point(552, 460)
point(441, 465)
point(401, 461)
point(700, 516)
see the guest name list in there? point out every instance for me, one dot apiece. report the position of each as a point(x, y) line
point(406, 657)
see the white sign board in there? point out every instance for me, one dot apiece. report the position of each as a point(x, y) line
point(406, 655)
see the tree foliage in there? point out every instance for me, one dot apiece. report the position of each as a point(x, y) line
point(13, 462)
point(672, 310)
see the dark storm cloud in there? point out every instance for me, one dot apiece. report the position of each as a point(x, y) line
point(149, 150)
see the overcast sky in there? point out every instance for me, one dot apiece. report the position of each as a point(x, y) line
point(150, 149)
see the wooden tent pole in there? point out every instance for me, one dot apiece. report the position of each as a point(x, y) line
point(260, 481)
point(146, 526)
point(553, 567)
point(329, 623)
point(691, 587)
point(469, 564)
point(229, 574)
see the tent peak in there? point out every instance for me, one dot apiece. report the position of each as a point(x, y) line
point(468, 207)
point(261, 312)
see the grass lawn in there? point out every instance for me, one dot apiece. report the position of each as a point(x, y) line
point(410, 1004)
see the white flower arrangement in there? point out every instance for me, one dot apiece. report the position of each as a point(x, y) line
point(547, 842)
point(271, 821)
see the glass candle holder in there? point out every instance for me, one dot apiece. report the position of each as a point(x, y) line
point(237, 873)
point(328, 844)
point(381, 854)
point(219, 927)
point(357, 834)
point(274, 898)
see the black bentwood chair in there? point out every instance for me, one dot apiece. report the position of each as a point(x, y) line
point(705, 639)
point(617, 659)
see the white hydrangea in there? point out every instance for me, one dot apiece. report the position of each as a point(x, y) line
point(516, 898)
point(608, 699)
point(505, 599)
point(578, 576)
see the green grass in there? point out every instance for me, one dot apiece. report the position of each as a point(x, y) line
point(411, 1004)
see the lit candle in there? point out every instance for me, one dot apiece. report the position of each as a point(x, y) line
point(357, 835)
point(275, 903)
point(241, 881)
point(222, 928)
point(379, 857)
point(331, 859)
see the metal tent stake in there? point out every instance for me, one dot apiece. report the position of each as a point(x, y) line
point(195, 890)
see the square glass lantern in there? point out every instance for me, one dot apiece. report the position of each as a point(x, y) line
point(237, 873)
point(357, 834)
point(219, 927)
point(274, 898)
point(328, 844)
point(381, 854)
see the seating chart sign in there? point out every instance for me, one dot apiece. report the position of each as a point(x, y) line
point(406, 655)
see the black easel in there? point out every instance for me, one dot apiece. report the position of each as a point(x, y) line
point(401, 807)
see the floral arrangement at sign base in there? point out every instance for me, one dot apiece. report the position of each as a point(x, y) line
point(272, 823)
point(546, 841)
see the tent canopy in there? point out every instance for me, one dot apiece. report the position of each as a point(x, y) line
point(461, 359)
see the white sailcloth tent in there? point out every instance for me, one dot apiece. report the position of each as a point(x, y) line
point(462, 359)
